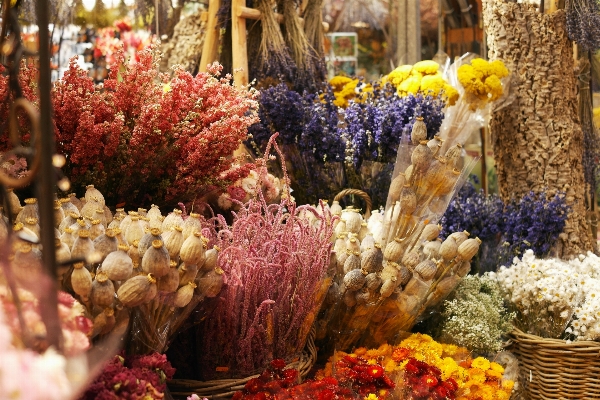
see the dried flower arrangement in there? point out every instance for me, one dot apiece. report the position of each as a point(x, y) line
point(145, 138)
point(276, 261)
point(554, 298)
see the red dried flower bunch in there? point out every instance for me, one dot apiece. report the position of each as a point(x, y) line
point(278, 383)
point(137, 377)
point(364, 377)
point(146, 137)
point(424, 382)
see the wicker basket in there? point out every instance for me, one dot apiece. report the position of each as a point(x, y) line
point(356, 192)
point(555, 369)
point(225, 388)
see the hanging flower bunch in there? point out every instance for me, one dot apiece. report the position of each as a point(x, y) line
point(145, 137)
point(134, 377)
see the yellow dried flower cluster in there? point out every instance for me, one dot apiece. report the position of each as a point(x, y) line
point(422, 77)
point(346, 89)
point(481, 80)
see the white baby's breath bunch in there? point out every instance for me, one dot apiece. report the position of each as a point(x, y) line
point(552, 294)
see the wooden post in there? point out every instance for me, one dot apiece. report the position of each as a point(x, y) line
point(211, 42)
point(238, 41)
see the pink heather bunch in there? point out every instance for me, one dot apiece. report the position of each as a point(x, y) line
point(275, 261)
point(145, 137)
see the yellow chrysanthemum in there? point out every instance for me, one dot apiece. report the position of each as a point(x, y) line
point(338, 82)
point(449, 367)
point(397, 76)
point(498, 68)
point(496, 367)
point(507, 385)
point(426, 67)
point(501, 395)
point(449, 349)
point(481, 363)
point(477, 375)
point(410, 85)
point(490, 373)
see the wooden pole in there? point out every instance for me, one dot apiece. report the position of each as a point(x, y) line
point(210, 49)
point(239, 44)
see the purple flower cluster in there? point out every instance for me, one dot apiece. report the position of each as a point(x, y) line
point(583, 23)
point(507, 230)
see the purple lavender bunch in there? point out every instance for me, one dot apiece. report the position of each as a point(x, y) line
point(583, 23)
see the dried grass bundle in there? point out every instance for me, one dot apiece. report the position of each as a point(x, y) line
point(313, 29)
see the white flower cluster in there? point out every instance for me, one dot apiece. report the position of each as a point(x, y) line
point(553, 296)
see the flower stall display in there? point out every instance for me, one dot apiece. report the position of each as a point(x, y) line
point(145, 138)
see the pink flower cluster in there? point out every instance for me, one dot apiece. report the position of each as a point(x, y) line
point(145, 137)
point(75, 326)
point(137, 377)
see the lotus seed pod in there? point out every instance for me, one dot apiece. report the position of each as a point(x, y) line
point(29, 211)
point(75, 201)
point(396, 187)
point(68, 206)
point(431, 232)
point(170, 282)
point(187, 273)
point(173, 219)
point(432, 249)
point(154, 212)
point(146, 240)
point(134, 231)
point(463, 269)
point(367, 243)
point(184, 294)
point(426, 269)
point(193, 249)
point(211, 283)
point(156, 260)
point(33, 226)
point(70, 219)
point(83, 246)
point(352, 262)
point(336, 209)
point(404, 275)
point(468, 249)
point(81, 281)
point(340, 227)
point(14, 203)
point(453, 155)
point(192, 224)
point(134, 253)
point(460, 237)
point(96, 229)
point(106, 243)
point(63, 253)
point(364, 231)
point(394, 250)
point(117, 265)
point(137, 290)
point(89, 209)
point(408, 200)
point(354, 280)
point(417, 287)
point(388, 288)
point(372, 260)
point(353, 244)
point(67, 237)
point(173, 241)
point(349, 298)
point(372, 282)
point(103, 291)
point(389, 271)
point(448, 249)
point(212, 256)
point(421, 159)
point(59, 214)
point(353, 222)
point(418, 132)
point(93, 194)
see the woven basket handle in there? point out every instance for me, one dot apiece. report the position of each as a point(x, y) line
point(359, 193)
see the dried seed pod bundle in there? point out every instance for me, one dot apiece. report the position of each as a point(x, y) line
point(372, 260)
point(354, 280)
point(170, 282)
point(103, 291)
point(156, 260)
point(211, 283)
point(193, 249)
point(192, 224)
point(426, 269)
point(418, 132)
point(184, 294)
point(448, 249)
point(137, 290)
point(81, 281)
point(352, 262)
point(106, 243)
point(146, 240)
point(118, 265)
point(82, 246)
